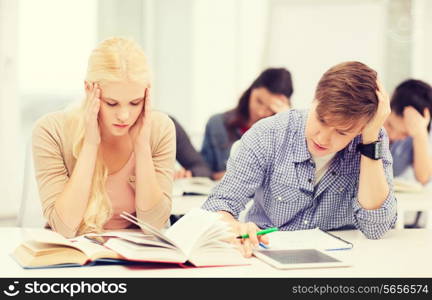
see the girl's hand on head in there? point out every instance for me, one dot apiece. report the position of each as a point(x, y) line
point(279, 105)
point(92, 129)
point(140, 131)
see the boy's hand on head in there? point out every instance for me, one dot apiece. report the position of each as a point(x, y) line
point(371, 131)
point(415, 123)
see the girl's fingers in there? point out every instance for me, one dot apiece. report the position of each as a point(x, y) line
point(147, 104)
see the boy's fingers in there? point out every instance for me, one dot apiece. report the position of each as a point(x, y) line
point(264, 239)
point(426, 114)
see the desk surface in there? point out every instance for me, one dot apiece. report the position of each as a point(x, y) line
point(182, 204)
point(401, 253)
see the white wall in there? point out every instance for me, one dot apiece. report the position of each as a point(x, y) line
point(309, 36)
point(10, 152)
point(55, 40)
point(50, 41)
point(204, 53)
point(422, 41)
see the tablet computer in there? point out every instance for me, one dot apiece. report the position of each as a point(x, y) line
point(299, 259)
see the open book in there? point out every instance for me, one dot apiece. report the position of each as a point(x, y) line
point(45, 248)
point(200, 237)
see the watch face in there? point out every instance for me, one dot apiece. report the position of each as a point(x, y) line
point(378, 150)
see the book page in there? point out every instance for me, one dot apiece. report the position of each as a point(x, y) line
point(305, 239)
point(31, 254)
point(137, 237)
point(90, 249)
point(191, 227)
point(45, 236)
point(214, 248)
point(139, 252)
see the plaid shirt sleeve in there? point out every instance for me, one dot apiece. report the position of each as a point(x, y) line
point(375, 223)
point(245, 171)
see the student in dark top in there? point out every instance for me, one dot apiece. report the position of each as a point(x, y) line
point(269, 94)
point(191, 160)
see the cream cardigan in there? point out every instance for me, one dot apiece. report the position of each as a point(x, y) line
point(54, 163)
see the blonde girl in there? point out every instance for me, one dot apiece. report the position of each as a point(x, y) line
point(111, 154)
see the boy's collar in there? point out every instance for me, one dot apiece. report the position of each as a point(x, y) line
point(300, 152)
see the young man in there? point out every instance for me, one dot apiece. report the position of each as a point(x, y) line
point(329, 167)
point(408, 128)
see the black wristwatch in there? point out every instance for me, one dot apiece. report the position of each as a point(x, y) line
point(372, 150)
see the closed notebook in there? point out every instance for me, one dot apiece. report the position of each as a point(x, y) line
point(200, 238)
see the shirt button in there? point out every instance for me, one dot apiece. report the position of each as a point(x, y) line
point(279, 198)
point(306, 222)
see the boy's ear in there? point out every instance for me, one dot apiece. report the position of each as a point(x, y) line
point(426, 113)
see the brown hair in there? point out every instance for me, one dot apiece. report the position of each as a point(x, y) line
point(346, 93)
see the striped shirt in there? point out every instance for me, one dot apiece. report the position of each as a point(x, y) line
point(274, 168)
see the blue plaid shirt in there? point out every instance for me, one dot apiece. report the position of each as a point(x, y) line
point(274, 168)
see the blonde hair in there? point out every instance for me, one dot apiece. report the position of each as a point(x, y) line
point(115, 59)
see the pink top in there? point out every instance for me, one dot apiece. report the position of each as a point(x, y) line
point(121, 194)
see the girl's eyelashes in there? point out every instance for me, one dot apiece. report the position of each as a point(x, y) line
point(135, 103)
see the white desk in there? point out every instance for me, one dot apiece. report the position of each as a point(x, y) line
point(182, 204)
point(421, 201)
point(401, 253)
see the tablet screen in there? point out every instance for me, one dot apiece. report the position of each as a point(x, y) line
point(303, 256)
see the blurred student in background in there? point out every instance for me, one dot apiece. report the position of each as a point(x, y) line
point(111, 154)
point(191, 161)
point(269, 94)
point(408, 128)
